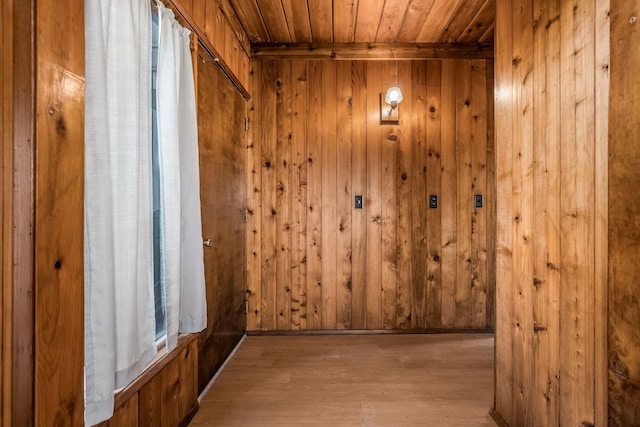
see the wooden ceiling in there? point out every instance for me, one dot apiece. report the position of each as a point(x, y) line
point(366, 21)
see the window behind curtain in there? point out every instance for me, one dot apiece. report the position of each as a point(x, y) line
point(158, 288)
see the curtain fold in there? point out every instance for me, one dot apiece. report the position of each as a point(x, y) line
point(182, 251)
point(119, 305)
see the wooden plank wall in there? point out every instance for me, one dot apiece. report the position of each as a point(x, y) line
point(165, 395)
point(624, 211)
point(221, 112)
point(315, 262)
point(18, 129)
point(59, 158)
point(551, 120)
point(217, 25)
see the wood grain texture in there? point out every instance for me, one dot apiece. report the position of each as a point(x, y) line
point(624, 356)
point(221, 112)
point(353, 381)
point(219, 32)
point(394, 263)
point(18, 186)
point(550, 145)
point(368, 21)
point(59, 345)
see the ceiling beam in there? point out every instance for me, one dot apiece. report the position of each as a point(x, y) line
point(372, 51)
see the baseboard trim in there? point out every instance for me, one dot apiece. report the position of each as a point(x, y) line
point(224, 365)
point(498, 418)
point(370, 332)
point(192, 413)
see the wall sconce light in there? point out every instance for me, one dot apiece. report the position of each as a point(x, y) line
point(389, 108)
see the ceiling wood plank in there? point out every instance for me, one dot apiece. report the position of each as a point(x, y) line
point(391, 21)
point(437, 20)
point(251, 19)
point(344, 21)
point(368, 20)
point(273, 16)
point(479, 25)
point(414, 19)
point(371, 51)
point(321, 15)
point(487, 37)
point(297, 14)
point(460, 19)
point(233, 20)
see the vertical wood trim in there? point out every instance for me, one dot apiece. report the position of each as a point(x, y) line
point(447, 199)
point(504, 187)
point(419, 192)
point(464, 291)
point(359, 187)
point(433, 314)
point(523, 211)
point(404, 190)
point(269, 188)
point(254, 201)
point(18, 181)
point(602, 82)
point(283, 196)
point(624, 209)
point(374, 197)
point(299, 202)
point(390, 135)
point(490, 199)
point(328, 205)
point(344, 194)
point(314, 196)
point(479, 114)
point(59, 332)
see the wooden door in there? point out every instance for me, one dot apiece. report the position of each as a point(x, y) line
point(221, 112)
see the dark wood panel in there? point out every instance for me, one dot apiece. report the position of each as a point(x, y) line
point(624, 209)
point(17, 253)
point(221, 112)
point(395, 264)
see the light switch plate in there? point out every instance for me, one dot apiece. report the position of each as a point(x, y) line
point(358, 202)
point(478, 200)
point(433, 201)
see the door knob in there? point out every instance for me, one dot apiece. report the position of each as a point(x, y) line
point(208, 243)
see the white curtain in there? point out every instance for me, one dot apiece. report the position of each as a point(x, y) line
point(182, 253)
point(119, 291)
point(119, 305)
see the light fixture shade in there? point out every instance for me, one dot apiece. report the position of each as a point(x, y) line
point(393, 96)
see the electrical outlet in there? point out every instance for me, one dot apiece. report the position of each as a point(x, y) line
point(433, 201)
point(478, 200)
point(358, 202)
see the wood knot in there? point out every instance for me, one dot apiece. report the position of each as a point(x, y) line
point(621, 370)
point(58, 265)
point(267, 164)
point(404, 176)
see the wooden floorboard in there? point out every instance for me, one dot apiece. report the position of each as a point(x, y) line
point(358, 380)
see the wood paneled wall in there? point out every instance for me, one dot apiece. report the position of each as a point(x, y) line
point(18, 129)
point(218, 28)
point(551, 145)
point(59, 165)
point(315, 141)
point(165, 395)
point(221, 112)
point(624, 212)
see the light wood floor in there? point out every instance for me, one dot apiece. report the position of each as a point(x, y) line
point(354, 380)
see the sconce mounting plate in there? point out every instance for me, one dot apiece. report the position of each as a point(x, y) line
point(388, 115)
